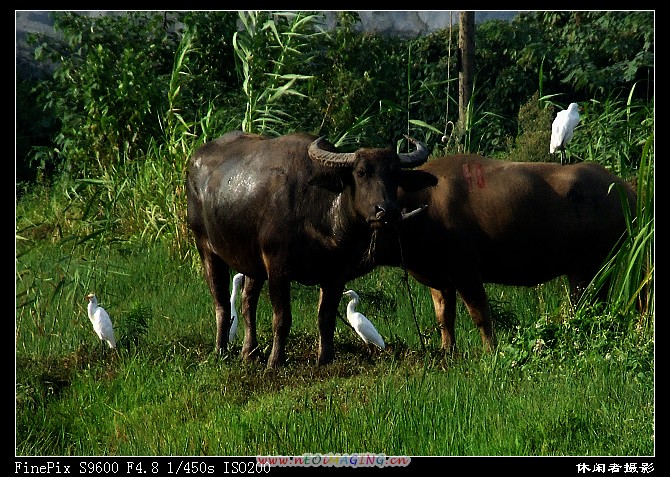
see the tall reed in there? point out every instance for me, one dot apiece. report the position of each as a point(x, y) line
point(629, 272)
point(270, 48)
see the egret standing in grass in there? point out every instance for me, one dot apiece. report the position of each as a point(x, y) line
point(100, 321)
point(238, 280)
point(563, 128)
point(363, 327)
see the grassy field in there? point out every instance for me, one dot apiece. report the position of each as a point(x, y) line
point(552, 388)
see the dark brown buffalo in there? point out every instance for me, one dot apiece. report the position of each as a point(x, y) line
point(511, 223)
point(285, 209)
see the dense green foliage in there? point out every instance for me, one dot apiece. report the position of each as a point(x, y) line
point(110, 92)
point(101, 206)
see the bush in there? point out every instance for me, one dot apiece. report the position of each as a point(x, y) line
point(532, 143)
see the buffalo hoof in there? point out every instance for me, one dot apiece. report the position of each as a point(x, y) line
point(452, 354)
point(277, 359)
point(253, 355)
point(325, 360)
point(490, 346)
point(275, 363)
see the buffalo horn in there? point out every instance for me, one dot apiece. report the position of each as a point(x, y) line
point(329, 158)
point(415, 158)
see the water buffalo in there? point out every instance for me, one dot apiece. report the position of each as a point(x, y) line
point(511, 223)
point(287, 209)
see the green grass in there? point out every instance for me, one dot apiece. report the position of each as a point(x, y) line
point(185, 408)
point(164, 392)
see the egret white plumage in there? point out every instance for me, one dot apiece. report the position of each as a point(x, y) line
point(563, 128)
point(363, 327)
point(238, 280)
point(100, 320)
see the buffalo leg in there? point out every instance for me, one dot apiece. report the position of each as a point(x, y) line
point(329, 299)
point(444, 302)
point(477, 303)
point(250, 295)
point(217, 276)
point(280, 298)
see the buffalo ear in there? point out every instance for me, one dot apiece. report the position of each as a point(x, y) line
point(332, 180)
point(414, 180)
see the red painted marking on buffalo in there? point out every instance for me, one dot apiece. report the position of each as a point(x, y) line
point(467, 175)
point(481, 181)
point(478, 175)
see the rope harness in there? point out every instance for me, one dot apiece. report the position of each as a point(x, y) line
point(409, 290)
point(409, 293)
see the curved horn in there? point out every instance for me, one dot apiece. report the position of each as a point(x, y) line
point(329, 158)
point(415, 158)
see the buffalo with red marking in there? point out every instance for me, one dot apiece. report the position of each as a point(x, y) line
point(511, 223)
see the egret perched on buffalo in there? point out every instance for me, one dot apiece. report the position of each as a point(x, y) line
point(238, 280)
point(363, 327)
point(101, 322)
point(563, 128)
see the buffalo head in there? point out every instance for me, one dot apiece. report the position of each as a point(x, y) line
point(373, 175)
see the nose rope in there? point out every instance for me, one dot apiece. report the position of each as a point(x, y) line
point(409, 293)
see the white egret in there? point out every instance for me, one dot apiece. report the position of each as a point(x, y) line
point(563, 128)
point(100, 321)
point(363, 327)
point(238, 280)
